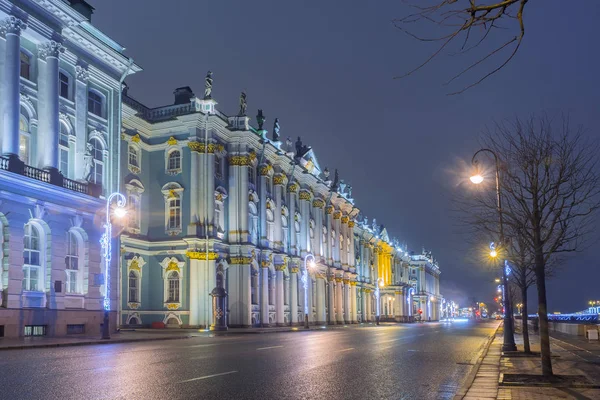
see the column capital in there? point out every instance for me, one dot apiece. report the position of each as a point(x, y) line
point(12, 25)
point(50, 49)
point(82, 74)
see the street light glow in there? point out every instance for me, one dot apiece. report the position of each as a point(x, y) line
point(476, 179)
point(493, 253)
point(120, 212)
point(311, 264)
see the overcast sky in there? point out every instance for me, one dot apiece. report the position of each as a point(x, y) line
point(325, 69)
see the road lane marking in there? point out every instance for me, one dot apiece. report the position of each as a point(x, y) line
point(270, 347)
point(412, 350)
point(391, 340)
point(380, 333)
point(209, 376)
point(351, 348)
point(204, 345)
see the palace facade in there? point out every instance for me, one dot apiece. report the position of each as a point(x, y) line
point(60, 94)
point(217, 204)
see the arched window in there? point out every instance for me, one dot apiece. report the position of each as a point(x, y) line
point(32, 264)
point(174, 162)
point(297, 232)
point(134, 287)
point(95, 103)
point(173, 290)
point(72, 267)
point(134, 159)
point(133, 216)
point(63, 154)
point(98, 158)
point(24, 137)
point(25, 66)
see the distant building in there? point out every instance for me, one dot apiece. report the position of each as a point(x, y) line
point(215, 203)
point(59, 134)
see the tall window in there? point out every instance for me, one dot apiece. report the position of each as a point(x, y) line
point(174, 161)
point(24, 136)
point(25, 68)
point(72, 263)
point(173, 295)
point(174, 221)
point(134, 158)
point(271, 288)
point(254, 287)
point(251, 174)
point(63, 84)
point(31, 259)
point(63, 144)
point(270, 227)
point(95, 103)
point(134, 289)
point(98, 156)
point(134, 211)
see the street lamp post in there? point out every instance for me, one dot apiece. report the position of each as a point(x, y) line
point(509, 337)
point(305, 281)
point(105, 241)
point(378, 308)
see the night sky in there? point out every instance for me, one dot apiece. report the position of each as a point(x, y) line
point(325, 69)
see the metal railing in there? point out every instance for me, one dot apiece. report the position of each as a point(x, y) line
point(57, 179)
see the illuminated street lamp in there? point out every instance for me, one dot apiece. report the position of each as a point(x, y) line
point(105, 242)
point(377, 286)
point(509, 336)
point(307, 264)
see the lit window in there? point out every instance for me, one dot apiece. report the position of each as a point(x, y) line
point(25, 67)
point(134, 289)
point(72, 263)
point(98, 157)
point(24, 136)
point(134, 213)
point(63, 83)
point(63, 151)
point(173, 294)
point(174, 221)
point(31, 258)
point(95, 103)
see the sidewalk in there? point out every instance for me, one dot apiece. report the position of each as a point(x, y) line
point(144, 335)
point(566, 360)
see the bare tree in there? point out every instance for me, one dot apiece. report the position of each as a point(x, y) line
point(521, 262)
point(551, 190)
point(467, 24)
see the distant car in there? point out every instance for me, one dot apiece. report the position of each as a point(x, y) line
point(498, 316)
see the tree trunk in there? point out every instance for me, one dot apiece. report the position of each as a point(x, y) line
point(524, 320)
point(540, 275)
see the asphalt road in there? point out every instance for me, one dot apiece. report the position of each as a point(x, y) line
point(412, 361)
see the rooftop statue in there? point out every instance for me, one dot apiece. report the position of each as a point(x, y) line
point(260, 119)
point(374, 226)
point(208, 81)
point(276, 129)
point(243, 104)
point(301, 149)
point(88, 160)
point(336, 180)
point(342, 186)
point(289, 144)
point(349, 191)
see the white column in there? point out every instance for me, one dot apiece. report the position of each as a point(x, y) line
point(305, 198)
point(367, 295)
point(348, 306)
point(318, 212)
point(339, 315)
point(294, 295)
point(331, 299)
point(262, 204)
point(279, 301)
point(48, 104)
point(194, 292)
point(321, 316)
point(398, 305)
point(264, 300)
point(277, 237)
point(292, 193)
point(81, 110)
point(12, 28)
point(354, 302)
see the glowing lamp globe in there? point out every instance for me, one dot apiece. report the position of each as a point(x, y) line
point(476, 179)
point(311, 264)
point(493, 253)
point(120, 212)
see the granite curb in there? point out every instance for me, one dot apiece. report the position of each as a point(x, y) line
point(462, 391)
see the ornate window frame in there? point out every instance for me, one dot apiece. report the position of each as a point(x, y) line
point(168, 152)
point(170, 265)
point(135, 151)
point(173, 191)
point(134, 189)
point(135, 265)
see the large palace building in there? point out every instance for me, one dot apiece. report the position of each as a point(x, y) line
point(59, 132)
point(217, 205)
